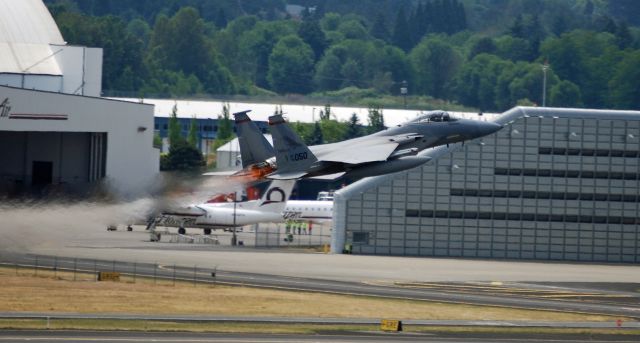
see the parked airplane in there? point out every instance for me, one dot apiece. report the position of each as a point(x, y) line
point(221, 215)
point(394, 149)
point(316, 211)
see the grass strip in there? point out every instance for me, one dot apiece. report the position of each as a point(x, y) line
point(57, 292)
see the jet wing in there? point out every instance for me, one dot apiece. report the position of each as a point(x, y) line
point(361, 150)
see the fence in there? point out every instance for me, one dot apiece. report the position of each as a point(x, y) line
point(292, 235)
point(80, 269)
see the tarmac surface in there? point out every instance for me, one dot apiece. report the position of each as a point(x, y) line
point(135, 246)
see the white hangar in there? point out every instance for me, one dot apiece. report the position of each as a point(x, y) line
point(55, 130)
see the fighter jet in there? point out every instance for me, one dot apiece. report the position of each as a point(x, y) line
point(394, 149)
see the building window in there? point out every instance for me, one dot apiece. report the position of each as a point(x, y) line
point(525, 216)
point(412, 213)
point(360, 237)
point(543, 195)
point(566, 173)
point(588, 152)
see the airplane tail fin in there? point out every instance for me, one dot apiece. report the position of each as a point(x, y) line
point(254, 148)
point(293, 157)
point(275, 196)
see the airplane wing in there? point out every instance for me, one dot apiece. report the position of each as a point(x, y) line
point(363, 150)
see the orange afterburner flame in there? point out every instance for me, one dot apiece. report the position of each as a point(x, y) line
point(249, 175)
point(254, 172)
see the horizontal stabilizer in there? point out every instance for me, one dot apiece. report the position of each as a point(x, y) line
point(328, 177)
point(286, 175)
point(221, 173)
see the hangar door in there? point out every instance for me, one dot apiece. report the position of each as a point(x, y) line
point(32, 159)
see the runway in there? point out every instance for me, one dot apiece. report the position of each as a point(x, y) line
point(170, 337)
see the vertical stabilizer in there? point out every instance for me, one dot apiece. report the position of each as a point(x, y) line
point(293, 157)
point(275, 196)
point(254, 148)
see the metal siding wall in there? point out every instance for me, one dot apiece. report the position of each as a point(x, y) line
point(473, 166)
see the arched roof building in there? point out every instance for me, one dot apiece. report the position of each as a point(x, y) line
point(35, 55)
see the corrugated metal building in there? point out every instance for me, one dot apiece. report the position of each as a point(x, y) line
point(554, 184)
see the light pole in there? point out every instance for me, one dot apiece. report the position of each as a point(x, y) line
point(404, 89)
point(234, 238)
point(545, 67)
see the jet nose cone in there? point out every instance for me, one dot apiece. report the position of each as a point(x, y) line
point(487, 128)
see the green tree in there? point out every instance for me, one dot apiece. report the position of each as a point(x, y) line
point(304, 130)
point(623, 36)
point(376, 119)
point(327, 76)
point(192, 138)
point(353, 29)
point(624, 85)
point(140, 29)
point(221, 19)
point(330, 21)
point(401, 34)
point(312, 34)
point(379, 28)
point(512, 48)
point(180, 44)
point(157, 140)
point(484, 45)
point(475, 83)
point(435, 63)
point(316, 135)
point(586, 58)
point(183, 156)
point(333, 130)
point(291, 66)
point(517, 29)
point(353, 129)
point(122, 51)
point(175, 131)
point(254, 47)
point(565, 94)
point(352, 73)
point(225, 131)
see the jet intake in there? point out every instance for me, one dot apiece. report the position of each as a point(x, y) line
point(405, 139)
point(410, 151)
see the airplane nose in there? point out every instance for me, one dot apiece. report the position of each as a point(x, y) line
point(487, 128)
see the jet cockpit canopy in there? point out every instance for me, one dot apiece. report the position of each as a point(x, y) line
point(436, 116)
